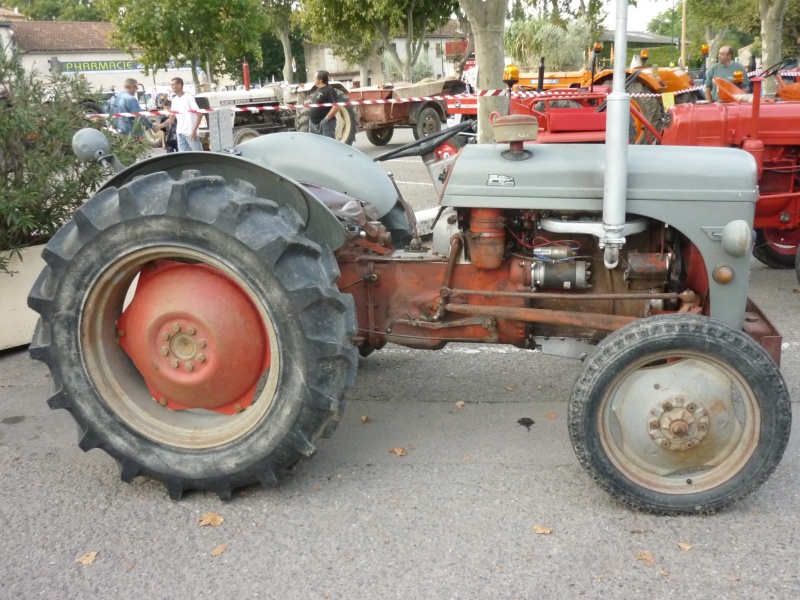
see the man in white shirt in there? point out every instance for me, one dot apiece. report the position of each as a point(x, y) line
point(187, 123)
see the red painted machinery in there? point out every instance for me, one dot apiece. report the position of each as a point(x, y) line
point(770, 131)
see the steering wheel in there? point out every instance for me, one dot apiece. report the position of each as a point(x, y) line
point(776, 68)
point(425, 145)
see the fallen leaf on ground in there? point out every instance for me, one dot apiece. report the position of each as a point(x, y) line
point(550, 415)
point(796, 290)
point(684, 546)
point(219, 549)
point(663, 572)
point(210, 518)
point(732, 577)
point(397, 451)
point(599, 576)
point(364, 419)
point(129, 566)
point(646, 557)
point(509, 388)
point(87, 558)
point(466, 457)
point(460, 404)
point(542, 530)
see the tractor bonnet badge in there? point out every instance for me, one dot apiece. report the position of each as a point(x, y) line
point(500, 180)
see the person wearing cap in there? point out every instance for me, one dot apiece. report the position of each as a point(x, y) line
point(726, 68)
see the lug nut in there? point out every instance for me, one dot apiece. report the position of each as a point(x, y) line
point(702, 426)
point(190, 366)
point(238, 407)
point(201, 342)
point(654, 424)
point(164, 350)
point(163, 401)
point(120, 333)
point(200, 358)
point(689, 444)
point(665, 443)
point(164, 336)
point(191, 330)
point(176, 327)
point(667, 406)
point(175, 363)
point(691, 407)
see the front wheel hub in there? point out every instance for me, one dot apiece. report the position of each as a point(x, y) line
point(678, 424)
point(195, 337)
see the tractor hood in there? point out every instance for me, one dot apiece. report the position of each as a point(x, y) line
point(571, 176)
point(324, 162)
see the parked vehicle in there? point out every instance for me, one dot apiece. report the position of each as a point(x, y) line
point(282, 97)
point(770, 131)
point(202, 314)
point(425, 116)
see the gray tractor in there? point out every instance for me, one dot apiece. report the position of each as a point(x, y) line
point(203, 314)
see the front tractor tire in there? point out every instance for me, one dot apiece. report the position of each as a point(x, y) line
point(232, 356)
point(679, 414)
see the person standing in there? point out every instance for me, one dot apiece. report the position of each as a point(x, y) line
point(187, 123)
point(125, 101)
point(169, 138)
point(322, 119)
point(725, 68)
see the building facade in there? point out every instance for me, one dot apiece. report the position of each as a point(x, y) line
point(84, 49)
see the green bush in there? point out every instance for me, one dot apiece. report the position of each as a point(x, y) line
point(41, 180)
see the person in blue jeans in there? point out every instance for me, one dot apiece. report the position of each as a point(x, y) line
point(187, 122)
point(125, 101)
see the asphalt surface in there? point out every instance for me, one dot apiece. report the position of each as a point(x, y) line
point(453, 518)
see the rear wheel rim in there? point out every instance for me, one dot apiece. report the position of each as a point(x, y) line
point(782, 241)
point(122, 387)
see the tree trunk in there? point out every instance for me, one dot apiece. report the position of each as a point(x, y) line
point(466, 27)
point(195, 77)
point(771, 31)
point(283, 34)
point(488, 23)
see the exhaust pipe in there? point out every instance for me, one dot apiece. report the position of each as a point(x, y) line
point(616, 180)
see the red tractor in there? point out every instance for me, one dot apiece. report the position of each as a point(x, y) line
point(770, 131)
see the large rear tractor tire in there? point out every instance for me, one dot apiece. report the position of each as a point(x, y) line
point(650, 106)
point(777, 248)
point(679, 414)
point(428, 123)
point(233, 353)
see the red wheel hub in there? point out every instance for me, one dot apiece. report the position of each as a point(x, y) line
point(195, 336)
point(782, 241)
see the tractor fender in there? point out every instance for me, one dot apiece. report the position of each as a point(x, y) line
point(322, 226)
point(645, 77)
point(675, 81)
point(309, 158)
point(417, 107)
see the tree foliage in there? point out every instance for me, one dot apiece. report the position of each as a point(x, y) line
point(562, 46)
point(41, 180)
point(194, 30)
point(56, 10)
point(352, 27)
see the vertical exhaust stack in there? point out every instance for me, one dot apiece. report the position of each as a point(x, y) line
point(617, 123)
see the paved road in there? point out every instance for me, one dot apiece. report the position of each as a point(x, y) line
point(454, 518)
